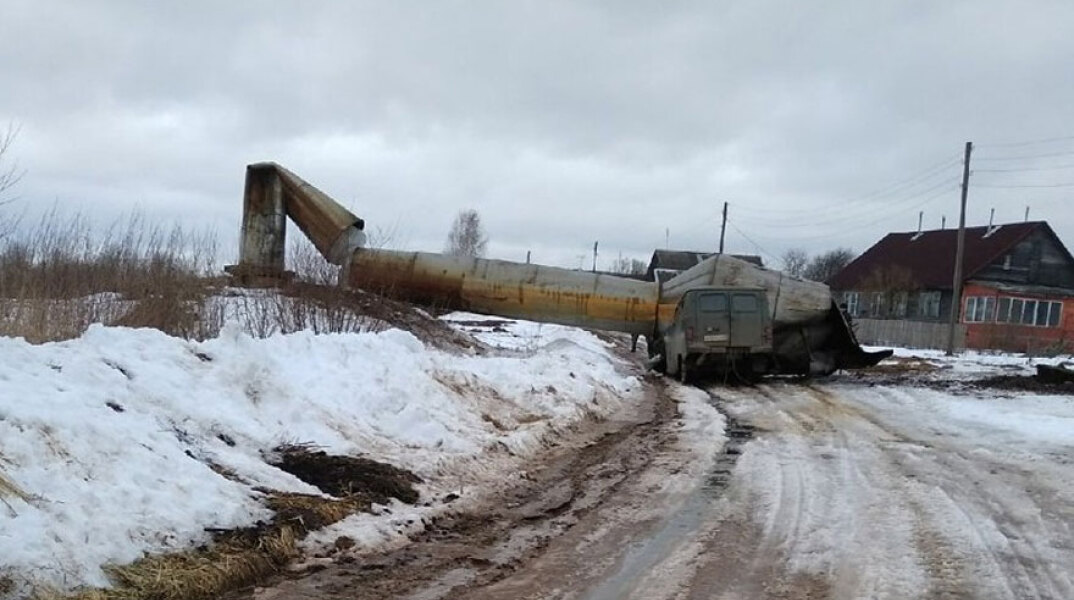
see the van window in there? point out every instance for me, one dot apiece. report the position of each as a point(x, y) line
point(744, 303)
point(712, 303)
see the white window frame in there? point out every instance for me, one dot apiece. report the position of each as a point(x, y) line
point(979, 309)
point(853, 302)
point(877, 305)
point(1023, 303)
point(929, 304)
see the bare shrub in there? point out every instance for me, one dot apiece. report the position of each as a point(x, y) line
point(60, 276)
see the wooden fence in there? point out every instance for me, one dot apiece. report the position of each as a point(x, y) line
point(907, 334)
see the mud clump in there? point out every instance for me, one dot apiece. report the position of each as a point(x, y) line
point(1026, 383)
point(348, 476)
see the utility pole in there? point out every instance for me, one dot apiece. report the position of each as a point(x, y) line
point(723, 227)
point(595, 256)
point(960, 248)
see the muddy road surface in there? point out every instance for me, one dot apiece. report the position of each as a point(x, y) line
point(836, 489)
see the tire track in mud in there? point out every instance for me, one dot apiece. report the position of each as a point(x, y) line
point(999, 507)
point(472, 550)
point(742, 557)
point(977, 523)
point(846, 449)
point(652, 554)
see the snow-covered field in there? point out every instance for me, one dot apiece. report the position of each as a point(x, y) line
point(107, 441)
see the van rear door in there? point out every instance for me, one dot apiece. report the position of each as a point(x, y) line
point(714, 318)
point(747, 320)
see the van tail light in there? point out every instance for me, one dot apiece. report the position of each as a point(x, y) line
point(689, 333)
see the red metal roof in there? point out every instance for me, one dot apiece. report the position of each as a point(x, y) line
point(930, 255)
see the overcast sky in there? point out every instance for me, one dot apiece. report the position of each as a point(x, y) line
point(823, 124)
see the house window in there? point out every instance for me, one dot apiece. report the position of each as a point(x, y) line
point(898, 308)
point(1020, 311)
point(1003, 310)
point(980, 309)
point(1042, 314)
point(876, 307)
point(1029, 314)
point(852, 300)
point(929, 304)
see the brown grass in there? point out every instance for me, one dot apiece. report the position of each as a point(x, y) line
point(62, 275)
point(9, 490)
point(236, 559)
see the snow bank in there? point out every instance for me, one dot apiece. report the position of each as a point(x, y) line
point(113, 435)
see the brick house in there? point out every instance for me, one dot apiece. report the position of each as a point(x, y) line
point(1018, 284)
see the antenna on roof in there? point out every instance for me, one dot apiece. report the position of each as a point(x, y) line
point(991, 217)
point(1027, 213)
point(943, 222)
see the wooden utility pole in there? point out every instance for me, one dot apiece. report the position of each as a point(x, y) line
point(960, 248)
point(723, 227)
point(595, 256)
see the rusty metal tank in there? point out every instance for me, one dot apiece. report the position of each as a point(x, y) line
point(509, 289)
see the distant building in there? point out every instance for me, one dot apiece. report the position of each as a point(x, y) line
point(666, 264)
point(1018, 283)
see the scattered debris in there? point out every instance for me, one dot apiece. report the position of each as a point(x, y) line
point(115, 406)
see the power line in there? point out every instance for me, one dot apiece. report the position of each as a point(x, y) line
point(1028, 142)
point(886, 216)
point(1028, 156)
point(1019, 186)
point(760, 249)
point(1024, 169)
point(845, 220)
point(885, 191)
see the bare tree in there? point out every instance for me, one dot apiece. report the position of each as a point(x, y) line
point(467, 236)
point(795, 261)
point(10, 174)
point(825, 266)
point(629, 266)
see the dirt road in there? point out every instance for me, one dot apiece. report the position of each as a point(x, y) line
point(839, 489)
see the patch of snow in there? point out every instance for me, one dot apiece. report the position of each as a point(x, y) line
point(114, 435)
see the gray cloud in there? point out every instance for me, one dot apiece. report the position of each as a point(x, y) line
point(561, 122)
